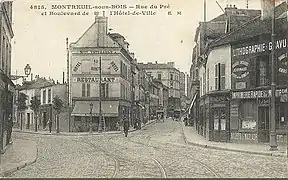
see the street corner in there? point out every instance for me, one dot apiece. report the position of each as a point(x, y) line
point(19, 155)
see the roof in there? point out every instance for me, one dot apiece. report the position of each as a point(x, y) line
point(217, 26)
point(155, 66)
point(254, 27)
point(36, 84)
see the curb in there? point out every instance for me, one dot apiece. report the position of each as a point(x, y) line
point(86, 134)
point(228, 149)
point(19, 166)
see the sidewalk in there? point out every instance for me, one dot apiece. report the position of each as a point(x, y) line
point(20, 154)
point(42, 132)
point(193, 138)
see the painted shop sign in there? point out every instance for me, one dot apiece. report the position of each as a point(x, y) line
point(96, 52)
point(256, 94)
point(258, 48)
point(240, 69)
point(94, 79)
point(283, 61)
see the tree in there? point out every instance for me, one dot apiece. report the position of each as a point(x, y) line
point(57, 105)
point(35, 104)
point(22, 98)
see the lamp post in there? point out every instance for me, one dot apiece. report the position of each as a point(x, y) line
point(91, 108)
point(27, 72)
point(273, 136)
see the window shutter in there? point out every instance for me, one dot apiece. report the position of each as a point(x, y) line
point(88, 90)
point(222, 76)
point(83, 90)
point(216, 77)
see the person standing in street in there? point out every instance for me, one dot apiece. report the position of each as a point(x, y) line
point(126, 127)
point(50, 125)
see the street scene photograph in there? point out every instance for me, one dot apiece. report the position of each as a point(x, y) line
point(143, 89)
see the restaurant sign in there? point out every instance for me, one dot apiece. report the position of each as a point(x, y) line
point(257, 94)
point(94, 79)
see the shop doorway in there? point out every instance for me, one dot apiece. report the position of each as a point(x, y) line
point(220, 124)
point(263, 124)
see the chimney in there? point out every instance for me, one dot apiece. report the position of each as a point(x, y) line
point(102, 25)
point(156, 62)
point(31, 76)
point(267, 8)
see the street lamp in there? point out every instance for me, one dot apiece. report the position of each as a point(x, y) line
point(91, 108)
point(273, 136)
point(27, 71)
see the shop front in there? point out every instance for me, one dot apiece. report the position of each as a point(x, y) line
point(250, 114)
point(82, 115)
point(214, 118)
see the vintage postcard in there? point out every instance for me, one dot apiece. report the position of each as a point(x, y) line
point(143, 89)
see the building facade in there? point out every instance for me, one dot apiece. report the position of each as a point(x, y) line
point(235, 82)
point(46, 110)
point(7, 87)
point(95, 48)
point(170, 77)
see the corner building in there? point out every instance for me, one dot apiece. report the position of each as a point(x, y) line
point(85, 55)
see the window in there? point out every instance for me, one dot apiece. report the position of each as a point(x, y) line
point(171, 84)
point(247, 114)
point(208, 80)
point(204, 83)
point(262, 71)
point(104, 89)
point(159, 76)
point(282, 116)
point(171, 77)
point(44, 96)
point(83, 90)
point(220, 76)
point(49, 95)
point(88, 90)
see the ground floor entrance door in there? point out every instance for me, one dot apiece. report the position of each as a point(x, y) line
point(219, 120)
point(263, 124)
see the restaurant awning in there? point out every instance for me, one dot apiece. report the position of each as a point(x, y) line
point(82, 108)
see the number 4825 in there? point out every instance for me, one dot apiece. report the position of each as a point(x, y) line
point(37, 7)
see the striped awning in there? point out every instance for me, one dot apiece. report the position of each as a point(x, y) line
point(82, 108)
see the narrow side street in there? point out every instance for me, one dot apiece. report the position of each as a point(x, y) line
point(158, 150)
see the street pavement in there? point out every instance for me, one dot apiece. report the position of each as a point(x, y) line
point(159, 150)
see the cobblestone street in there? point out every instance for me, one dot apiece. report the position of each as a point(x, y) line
point(158, 150)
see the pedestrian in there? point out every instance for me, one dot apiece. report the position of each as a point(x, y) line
point(50, 125)
point(126, 127)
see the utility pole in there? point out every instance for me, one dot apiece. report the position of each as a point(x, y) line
point(273, 136)
point(68, 96)
point(100, 96)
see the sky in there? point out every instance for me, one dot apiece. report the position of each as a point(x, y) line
point(40, 40)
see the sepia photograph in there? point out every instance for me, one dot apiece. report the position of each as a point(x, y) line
point(143, 89)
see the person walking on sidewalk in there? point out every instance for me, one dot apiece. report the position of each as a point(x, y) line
point(126, 127)
point(50, 125)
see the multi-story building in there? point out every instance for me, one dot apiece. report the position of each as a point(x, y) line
point(46, 111)
point(169, 76)
point(206, 33)
point(7, 87)
point(235, 81)
point(26, 119)
point(95, 48)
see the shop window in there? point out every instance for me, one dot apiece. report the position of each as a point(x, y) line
point(247, 114)
point(282, 116)
point(262, 71)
